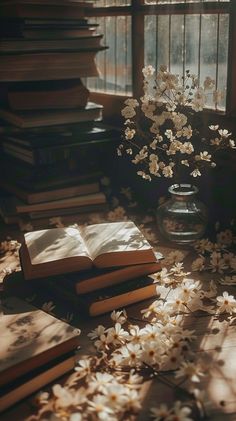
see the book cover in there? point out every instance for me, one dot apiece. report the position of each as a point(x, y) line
point(106, 299)
point(76, 201)
point(52, 60)
point(72, 134)
point(12, 72)
point(35, 380)
point(30, 338)
point(50, 194)
point(47, 155)
point(72, 249)
point(45, 45)
point(53, 10)
point(95, 279)
point(36, 118)
point(47, 94)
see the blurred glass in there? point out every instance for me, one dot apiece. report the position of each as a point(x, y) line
point(198, 43)
point(110, 3)
point(114, 64)
point(180, 1)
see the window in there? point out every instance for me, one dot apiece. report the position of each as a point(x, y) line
point(193, 35)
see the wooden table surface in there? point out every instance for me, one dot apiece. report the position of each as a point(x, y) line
point(215, 334)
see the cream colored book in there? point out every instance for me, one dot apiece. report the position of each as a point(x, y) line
point(71, 249)
point(30, 339)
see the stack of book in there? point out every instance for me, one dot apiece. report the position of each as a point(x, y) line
point(53, 134)
point(36, 349)
point(98, 268)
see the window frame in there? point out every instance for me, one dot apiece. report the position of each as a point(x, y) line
point(137, 10)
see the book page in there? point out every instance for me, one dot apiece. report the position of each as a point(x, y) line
point(113, 237)
point(55, 244)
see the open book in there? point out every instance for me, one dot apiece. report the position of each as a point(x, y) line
point(60, 250)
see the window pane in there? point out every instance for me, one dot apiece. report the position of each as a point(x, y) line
point(110, 3)
point(180, 1)
point(198, 43)
point(114, 64)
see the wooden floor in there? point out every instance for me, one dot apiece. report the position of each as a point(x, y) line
point(215, 334)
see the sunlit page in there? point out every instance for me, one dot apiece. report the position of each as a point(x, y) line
point(54, 244)
point(113, 237)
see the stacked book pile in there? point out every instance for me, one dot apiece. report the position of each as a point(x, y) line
point(51, 134)
point(36, 349)
point(97, 268)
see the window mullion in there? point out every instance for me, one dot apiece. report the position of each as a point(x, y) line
point(137, 50)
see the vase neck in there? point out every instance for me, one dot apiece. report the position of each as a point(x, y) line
point(183, 192)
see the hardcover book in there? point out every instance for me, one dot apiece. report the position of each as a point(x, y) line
point(47, 94)
point(106, 299)
point(36, 118)
point(50, 194)
point(95, 279)
point(35, 380)
point(69, 202)
point(44, 9)
point(30, 338)
point(45, 45)
point(71, 249)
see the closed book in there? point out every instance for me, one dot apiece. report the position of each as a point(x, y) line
point(57, 154)
point(26, 119)
point(50, 194)
point(76, 210)
point(47, 94)
point(69, 202)
point(43, 9)
point(30, 338)
point(38, 45)
point(67, 70)
point(71, 249)
point(72, 134)
point(62, 33)
point(35, 380)
point(95, 279)
point(106, 299)
point(52, 60)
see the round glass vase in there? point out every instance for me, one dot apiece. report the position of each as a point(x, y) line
point(182, 219)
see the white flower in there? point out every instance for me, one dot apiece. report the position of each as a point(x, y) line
point(217, 263)
point(191, 370)
point(195, 173)
point(208, 83)
point(174, 257)
point(98, 405)
point(198, 264)
point(148, 71)
point(100, 380)
point(131, 102)
point(119, 316)
point(129, 354)
point(100, 330)
point(226, 303)
point(181, 412)
point(167, 171)
point(204, 156)
point(116, 334)
point(129, 133)
point(83, 367)
point(214, 128)
point(160, 413)
point(224, 133)
point(187, 132)
point(128, 112)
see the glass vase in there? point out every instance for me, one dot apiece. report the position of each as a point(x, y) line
point(182, 218)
